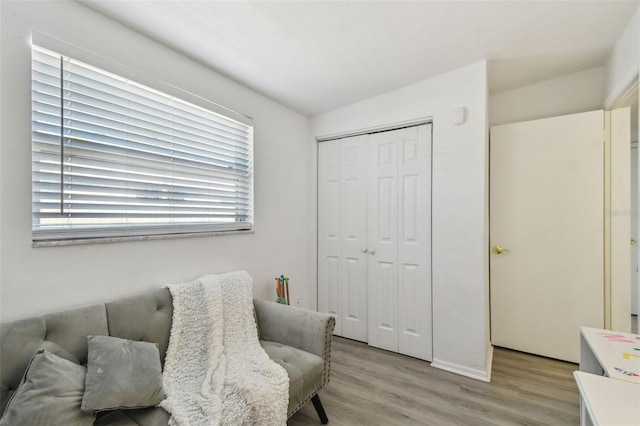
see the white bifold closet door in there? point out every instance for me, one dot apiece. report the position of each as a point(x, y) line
point(342, 234)
point(400, 241)
point(374, 238)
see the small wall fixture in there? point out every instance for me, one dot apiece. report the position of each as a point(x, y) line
point(458, 116)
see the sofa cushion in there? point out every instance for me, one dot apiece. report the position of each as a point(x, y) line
point(146, 317)
point(62, 333)
point(50, 393)
point(143, 416)
point(304, 370)
point(122, 373)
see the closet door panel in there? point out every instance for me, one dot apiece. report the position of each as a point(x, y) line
point(383, 244)
point(329, 229)
point(414, 243)
point(353, 281)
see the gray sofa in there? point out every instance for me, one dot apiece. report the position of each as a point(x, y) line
point(297, 339)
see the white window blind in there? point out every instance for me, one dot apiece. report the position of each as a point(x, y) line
point(112, 158)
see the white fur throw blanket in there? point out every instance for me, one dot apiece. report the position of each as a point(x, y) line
point(215, 371)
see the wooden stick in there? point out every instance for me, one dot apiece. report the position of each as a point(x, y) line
point(286, 280)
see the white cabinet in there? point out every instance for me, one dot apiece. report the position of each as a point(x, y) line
point(374, 238)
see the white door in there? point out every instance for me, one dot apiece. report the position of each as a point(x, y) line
point(400, 241)
point(329, 232)
point(634, 230)
point(342, 234)
point(414, 242)
point(619, 127)
point(353, 261)
point(374, 238)
point(383, 240)
point(547, 215)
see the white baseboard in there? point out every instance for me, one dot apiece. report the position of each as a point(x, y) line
point(474, 373)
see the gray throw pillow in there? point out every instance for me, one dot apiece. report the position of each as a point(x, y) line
point(49, 394)
point(122, 373)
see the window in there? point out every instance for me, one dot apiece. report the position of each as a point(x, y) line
point(114, 158)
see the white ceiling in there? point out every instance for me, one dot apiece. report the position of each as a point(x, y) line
point(315, 56)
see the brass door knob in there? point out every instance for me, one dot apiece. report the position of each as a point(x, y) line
point(633, 242)
point(498, 249)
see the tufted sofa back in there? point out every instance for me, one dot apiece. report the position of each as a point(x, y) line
point(146, 317)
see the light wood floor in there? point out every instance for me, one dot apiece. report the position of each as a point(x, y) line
point(374, 387)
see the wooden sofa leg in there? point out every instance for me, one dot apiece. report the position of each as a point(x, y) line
point(317, 404)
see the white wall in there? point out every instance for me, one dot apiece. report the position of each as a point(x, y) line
point(38, 280)
point(622, 65)
point(459, 227)
point(570, 94)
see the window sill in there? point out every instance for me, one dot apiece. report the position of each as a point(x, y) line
point(106, 240)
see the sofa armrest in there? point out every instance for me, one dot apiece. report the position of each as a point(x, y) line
point(303, 329)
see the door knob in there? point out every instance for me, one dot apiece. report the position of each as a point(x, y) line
point(633, 242)
point(364, 249)
point(372, 251)
point(498, 249)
